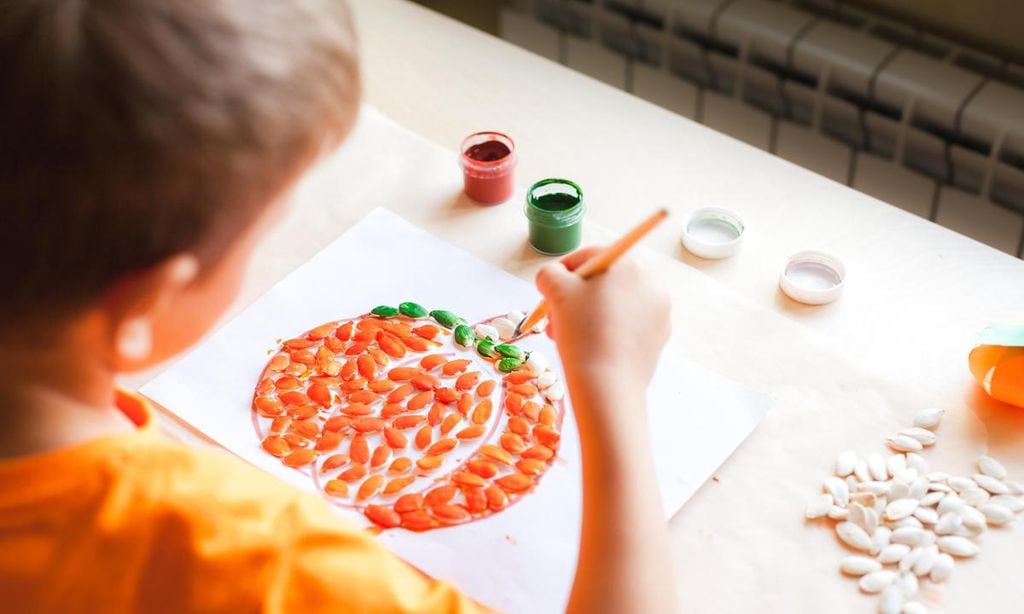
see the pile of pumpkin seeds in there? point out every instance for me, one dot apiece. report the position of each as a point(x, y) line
point(910, 523)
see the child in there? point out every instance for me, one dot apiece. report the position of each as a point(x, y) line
point(147, 145)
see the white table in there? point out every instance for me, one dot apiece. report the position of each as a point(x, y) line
point(839, 375)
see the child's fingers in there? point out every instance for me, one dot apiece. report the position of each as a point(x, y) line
point(578, 257)
point(553, 279)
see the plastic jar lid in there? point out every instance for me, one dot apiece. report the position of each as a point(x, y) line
point(713, 232)
point(813, 277)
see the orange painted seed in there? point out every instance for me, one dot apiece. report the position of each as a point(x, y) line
point(367, 366)
point(368, 425)
point(538, 452)
point(429, 463)
point(493, 452)
point(279, 362)
point(482, 413)
point(398, 394)
point(440, 495)
point(465, 403)
point(450, 421)
point(276, 445)
point(520, 376)
point(382, 385)
point(465, 478)
point(455, 366)
point(294, 397)
point(407, 422)
point(363, 396)
point(353, 385)
point(353, 473)
point(483, 468)
point(518, 426)
point(514, 482)
point(382, 516)
point(548, 416)
point(336, 488)
point(427, 331)
point(513, 404)
point(344, 332)
point(446, 395)
point(531, 410)
point(467, 380)
point(401, 374)
point(431, 362)
point(512, 442)
point(400, 465)
point(408, 503)
point(300, 457)
point(471, 432)
point(442, 446)
point(380, 456)
point(307, 428)
point(424, 436)
point(398, 484)
point(527, 390)
point(425, 381)
point(337, 423)
point(370, 487)
point(356, 409)
point(452, 513)
point(420, 400)
point(476, 500)
point(417, 520)
point(496, 498)
point(319, 395)
point(485, 388)
point(390, 410)
point(359, 450)
point(333, 462)
point(530, 466)
point(435, 413)
point(395, 438)
point(288, 383)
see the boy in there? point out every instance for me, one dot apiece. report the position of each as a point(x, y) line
point(147, 145)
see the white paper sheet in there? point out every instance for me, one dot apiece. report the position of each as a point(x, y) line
point(522, 559)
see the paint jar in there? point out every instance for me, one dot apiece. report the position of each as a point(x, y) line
point(488, 167)
point(554, 209)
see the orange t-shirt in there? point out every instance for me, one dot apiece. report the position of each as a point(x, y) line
point(135, 522)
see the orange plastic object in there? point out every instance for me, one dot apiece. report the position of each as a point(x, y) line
point(1000, 371)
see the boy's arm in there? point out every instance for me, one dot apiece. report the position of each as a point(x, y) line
point(610, 331)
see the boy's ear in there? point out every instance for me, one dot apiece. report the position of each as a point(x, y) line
point(138, 301)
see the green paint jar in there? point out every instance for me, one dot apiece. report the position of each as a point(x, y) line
point(554, 209)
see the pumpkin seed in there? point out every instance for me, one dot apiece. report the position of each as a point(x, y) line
point(914, 607)
point(858, 565)
point(486, 331)
point(880, 539)
point(903, 443)
point(508, 350)
point(384, 311)
point(917, 462)
point(877, 581)
point(893, 553)
point(975, 496)
point(972, 518)
point(838, 513)
point(555, 392)
point(991, 467)
point(960, 484)
point(844, 463)
point(446, 319)
point(1014, 504)
point(485, 347)
point(853, 536)
point(948, 523)
point(891, 601)
point(958, 546)
point(911, 536)
point(929, 418)
point(991, 484)
point(900, 508)
point(508, 364)
point(896, 463)
point(942, 568)
point(464, 336)
point(925, 436)
point(996, 514)
point(412, 310)
point(538, 362)
point(506, 328)
point(546, 379)
point(876, 465)
point(838, 489)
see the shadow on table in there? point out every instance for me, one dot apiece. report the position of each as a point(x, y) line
point(1004, 422)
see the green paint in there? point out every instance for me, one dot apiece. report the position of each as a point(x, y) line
point(554, 209)
point(412, 310)
point(384, 311)
point(464, 336)
point(446, 319)
point(509, 351)
point(506, 365)
point(486, 347)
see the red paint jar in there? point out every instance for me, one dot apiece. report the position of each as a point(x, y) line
point(488, 167)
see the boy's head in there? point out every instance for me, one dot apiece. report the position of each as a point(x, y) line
point(144, 145)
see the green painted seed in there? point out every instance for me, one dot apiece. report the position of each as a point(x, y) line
point(384, 311)
point(508, 364)
point(412, 310)
point(446, 319)
point(464, 336)
point(485, 347)
point(509, 351)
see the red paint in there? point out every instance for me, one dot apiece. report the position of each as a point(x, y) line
point(488, 167)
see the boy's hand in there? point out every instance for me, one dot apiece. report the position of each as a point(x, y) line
point(609, 329)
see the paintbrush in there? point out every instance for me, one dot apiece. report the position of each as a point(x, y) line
point(599, 263)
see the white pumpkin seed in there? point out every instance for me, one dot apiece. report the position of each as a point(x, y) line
point(516, 316)
point(907, 476)
point(856, 516)
point(546, 379)
point(991, 467)
point(907, 562)
point(860, 469)
point(877, 581)
point(893, 553)
point(900, 508)
point(899, 490)
point(895, 463)
point(996, 514)
point(866, 499)
point(950, 503)
point(880, 539)
point(942, 568)
point(937, 476)
point(1014, 504)
point(876, 465)
point(857, 565)
point(932, 498)
point(960, 484)
point(838, 513)
point(851, 482)
point(505, 327)
point(880, 489)
point(925, 561)
point(538, 362)
point(991, 484)
point(906, 583)
point(957, 546)
point(926, 515)
point(909, 521)
point(483, 331)
point(918, 487)
point(838, 489)
point(924, 436)
point(845, 462)
point(556, 392)
point(975, 496)
point(916, 461)
point(819, 506)
point(891, 601)
point(948, 523)
point(911, 536)
point(972, 518)
point(903, 443)
point(853, 536)
point(914, 607)
point(929, 418)
point(939, 487)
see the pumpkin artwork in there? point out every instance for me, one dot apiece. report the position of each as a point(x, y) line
point(998, 362)
point(413, 418)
